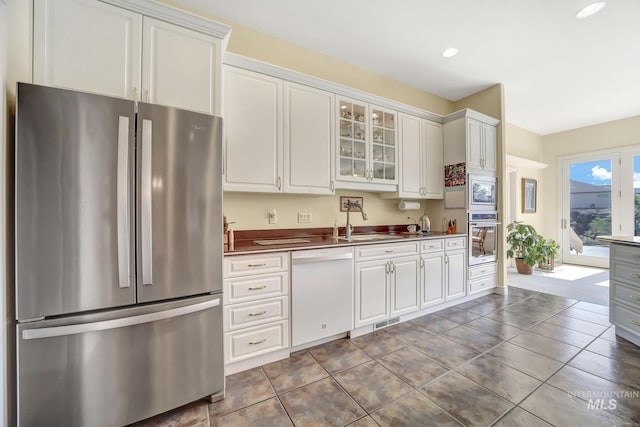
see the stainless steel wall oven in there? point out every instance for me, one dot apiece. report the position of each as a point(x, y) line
point(483, 237)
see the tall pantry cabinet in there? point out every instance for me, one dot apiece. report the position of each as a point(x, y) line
point(126, 52)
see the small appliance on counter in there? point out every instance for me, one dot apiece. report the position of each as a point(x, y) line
point(425, 224)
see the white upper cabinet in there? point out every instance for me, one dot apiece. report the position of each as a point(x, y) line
point(93, 46)
point(253, 131)
point(87, 45)
point(411, 182)
point(279, 136)
point(308, 140)
point(367, 146)
point(421, 161)
point(471, 137)
point(180, 67)
point(433, 146)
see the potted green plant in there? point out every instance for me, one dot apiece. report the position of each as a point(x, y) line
point(523, 244)
point(549, 250)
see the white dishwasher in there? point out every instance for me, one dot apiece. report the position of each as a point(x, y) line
point(321, 293)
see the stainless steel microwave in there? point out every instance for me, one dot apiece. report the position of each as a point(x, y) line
point(483, 193)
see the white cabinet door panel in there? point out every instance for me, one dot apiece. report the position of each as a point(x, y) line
point(433, 147)
point(433, 280)
point(308, 140)
point(180, 67)
point(87, 45)
point(253, 131)
point(489, 135)
point(405, 286)
point(372, 298)
point(475, 151)
point(411, 161)
point(456, 262)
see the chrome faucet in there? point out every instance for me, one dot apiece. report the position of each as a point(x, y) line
point(349, 227)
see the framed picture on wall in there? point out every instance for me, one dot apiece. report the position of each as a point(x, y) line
point(529, 195)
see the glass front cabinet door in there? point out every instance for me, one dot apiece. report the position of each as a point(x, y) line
point(366, 143)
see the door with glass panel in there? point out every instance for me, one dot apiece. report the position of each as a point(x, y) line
point(590, 208)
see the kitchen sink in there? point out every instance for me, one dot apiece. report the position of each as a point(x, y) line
point(365, 237)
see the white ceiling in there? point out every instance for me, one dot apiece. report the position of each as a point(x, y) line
point(559, 72)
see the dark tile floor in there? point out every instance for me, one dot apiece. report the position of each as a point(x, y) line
point(526, 359)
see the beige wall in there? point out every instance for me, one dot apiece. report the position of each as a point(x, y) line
point(525, 145)
point(604, 136)
point(250, 210)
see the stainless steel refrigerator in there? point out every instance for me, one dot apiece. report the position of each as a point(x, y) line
point(118, 213)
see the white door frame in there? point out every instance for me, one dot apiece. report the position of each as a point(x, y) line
point(622, 208)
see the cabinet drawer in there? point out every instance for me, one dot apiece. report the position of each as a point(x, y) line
point(626, 318)
point(625, 272)
point(483, 270)
point(243, 289)
point(245, 265)
point(456, 243)
point(371, 252)
point(624, 253)
point(482, 283)
point(432, 245)
point(255, 313)
point(247, 343)
point(625, 294)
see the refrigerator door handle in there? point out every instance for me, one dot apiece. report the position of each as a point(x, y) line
point(146, 214)
point(124, 259)
point(59, 331)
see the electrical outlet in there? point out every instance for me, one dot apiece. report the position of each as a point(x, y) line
point(304, 217)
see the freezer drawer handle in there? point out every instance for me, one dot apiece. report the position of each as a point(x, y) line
point(60, 331)
point(257, 342)
point(123, 202)
point(146, 215)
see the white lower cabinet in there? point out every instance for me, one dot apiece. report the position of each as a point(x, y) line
point(482, 277)
point(432, 275)
point(388, 285)
point(455, 260)
point(372, 292)
point(256, 305)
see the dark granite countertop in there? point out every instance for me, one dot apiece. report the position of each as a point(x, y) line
point(622, 240)
point(316, 238)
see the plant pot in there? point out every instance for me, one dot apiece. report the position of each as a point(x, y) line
point(522, 267)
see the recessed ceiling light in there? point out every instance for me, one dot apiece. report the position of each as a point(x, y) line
point(591, 9)
point(449, 52)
